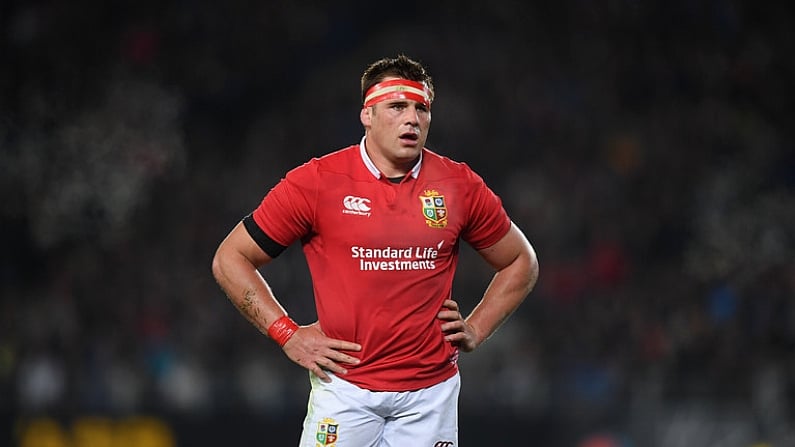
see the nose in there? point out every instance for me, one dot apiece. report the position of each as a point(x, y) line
point(412, 115)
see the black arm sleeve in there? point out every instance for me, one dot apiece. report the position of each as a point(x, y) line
point(268, 245)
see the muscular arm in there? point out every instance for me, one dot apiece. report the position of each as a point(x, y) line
point(235, 267)
point(516, 267)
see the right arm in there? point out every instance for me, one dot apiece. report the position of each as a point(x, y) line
point(235, 268)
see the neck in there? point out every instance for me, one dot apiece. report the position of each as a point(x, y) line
point(391, 167)
point(395, 169)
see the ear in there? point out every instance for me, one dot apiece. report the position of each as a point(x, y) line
point(366, 116)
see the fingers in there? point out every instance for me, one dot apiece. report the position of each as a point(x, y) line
point(450, 304)
point(335, 348)
point(454, 321)
point(449, 311)
point(456, 337)
point(327, 364)
point(311, 349)
point(341, 357)
point(449, 315)
point(454, 326)
point(318, 371)
point(460, 334)
point(334, 343)
point(343, 345)
point(331, 362)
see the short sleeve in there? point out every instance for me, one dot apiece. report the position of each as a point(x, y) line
point(488, 220)
point(286, 212)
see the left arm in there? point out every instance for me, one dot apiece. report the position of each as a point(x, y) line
point(516, 264)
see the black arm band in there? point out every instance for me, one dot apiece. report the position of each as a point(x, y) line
point(268, 245)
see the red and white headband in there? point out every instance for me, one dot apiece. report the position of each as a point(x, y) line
point(398, 89)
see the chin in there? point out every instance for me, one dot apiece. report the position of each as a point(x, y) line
point(409, 152)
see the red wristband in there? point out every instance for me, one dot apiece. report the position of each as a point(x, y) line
point(282, 329)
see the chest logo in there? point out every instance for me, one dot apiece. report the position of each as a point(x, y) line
point(356, 205)
point(434, 209)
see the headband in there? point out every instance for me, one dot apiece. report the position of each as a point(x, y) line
point(398, 89)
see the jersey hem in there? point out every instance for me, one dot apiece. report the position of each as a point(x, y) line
point(401, 385)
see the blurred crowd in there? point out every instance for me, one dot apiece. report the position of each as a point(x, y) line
point(646, 149)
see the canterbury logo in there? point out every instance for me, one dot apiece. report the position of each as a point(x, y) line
point(356, 205)
point(443, 444)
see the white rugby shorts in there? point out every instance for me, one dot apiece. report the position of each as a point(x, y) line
point(340, 414)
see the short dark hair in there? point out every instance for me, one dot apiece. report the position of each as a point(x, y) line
point(401, 67)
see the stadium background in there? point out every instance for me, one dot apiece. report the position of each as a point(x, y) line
point(645, 147)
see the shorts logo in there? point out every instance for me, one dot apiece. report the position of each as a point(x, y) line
point(359, 206)
point(434, 209)
point(326, 435)
point(443, 444)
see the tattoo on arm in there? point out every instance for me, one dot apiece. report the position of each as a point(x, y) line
point(248, 305)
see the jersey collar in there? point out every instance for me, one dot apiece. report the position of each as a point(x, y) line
point(415, 171)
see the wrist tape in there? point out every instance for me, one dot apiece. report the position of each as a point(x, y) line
point(282, 329)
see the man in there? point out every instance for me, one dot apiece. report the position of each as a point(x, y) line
point(380, 224)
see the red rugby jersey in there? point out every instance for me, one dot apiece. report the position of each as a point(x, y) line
point(382, 255)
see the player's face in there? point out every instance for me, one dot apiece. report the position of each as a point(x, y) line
point(396, 132)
